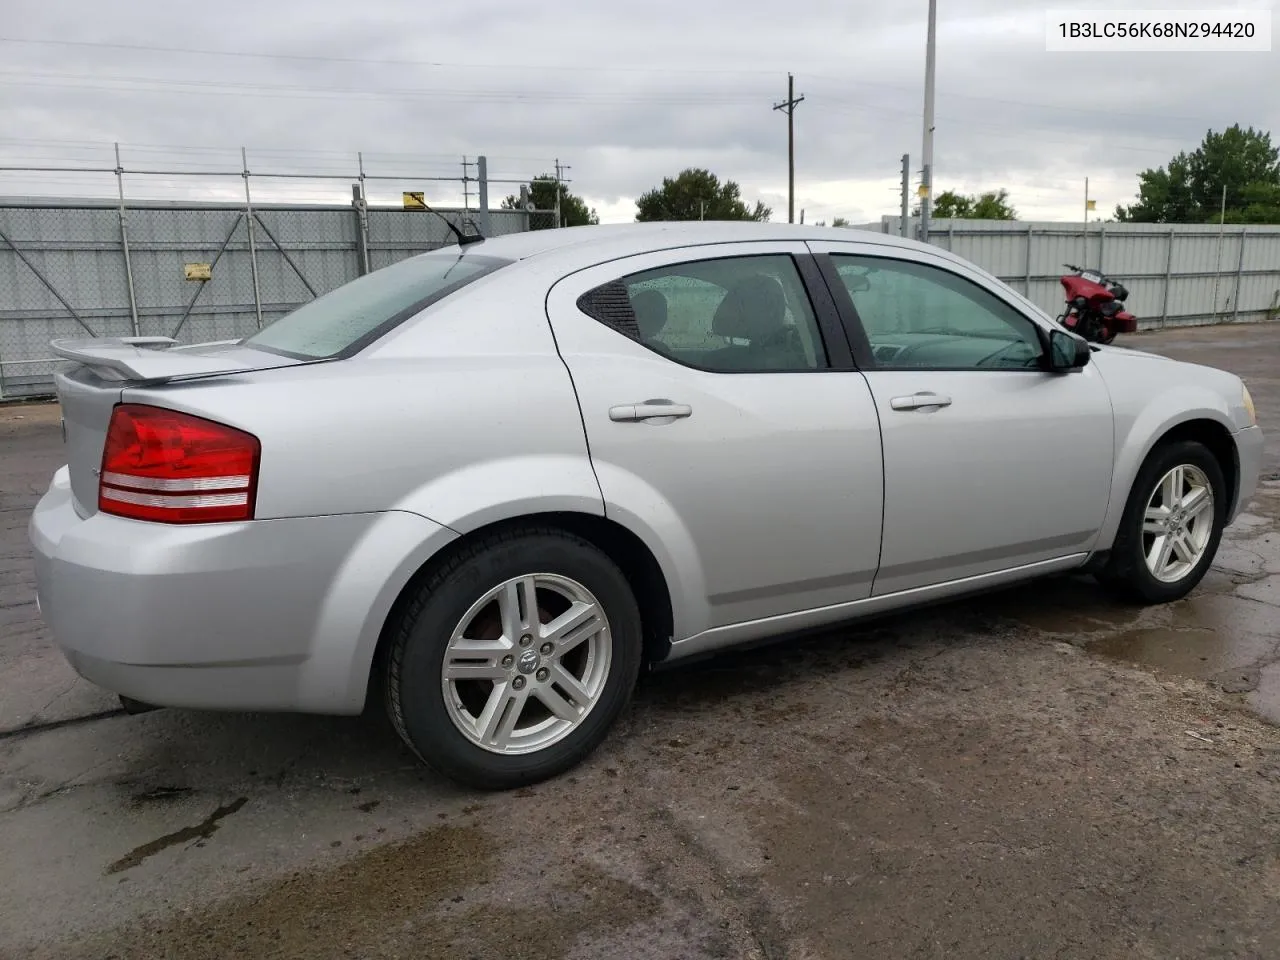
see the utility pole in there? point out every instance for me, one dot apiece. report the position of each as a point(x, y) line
point(1217, 273)
point(906, 195)
point(788, 107)
point(926, 181)
point(466, 186)
point(559, 176)
point(1085, 261)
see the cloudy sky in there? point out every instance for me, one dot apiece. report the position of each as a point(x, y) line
point(622, 94)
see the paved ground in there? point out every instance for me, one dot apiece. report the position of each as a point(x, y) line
point(1037, 773)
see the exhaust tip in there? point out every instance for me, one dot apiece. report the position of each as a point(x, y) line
point(132, 706)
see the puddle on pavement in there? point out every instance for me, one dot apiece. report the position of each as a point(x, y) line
point(199, 832)
point(1226, 633)
point(424, 897)
point(1196, 653)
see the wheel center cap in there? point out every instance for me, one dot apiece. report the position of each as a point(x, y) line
point(528, 661)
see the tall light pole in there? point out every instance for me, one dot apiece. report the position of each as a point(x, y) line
point(926, 181)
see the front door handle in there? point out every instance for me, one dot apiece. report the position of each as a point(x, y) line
point(649, 410)
point(920, 401)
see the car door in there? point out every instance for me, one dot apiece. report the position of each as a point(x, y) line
point(728, 426)
point(991, 462)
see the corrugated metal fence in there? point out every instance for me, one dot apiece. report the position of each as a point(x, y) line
point(65, 270)
point(1176, 273)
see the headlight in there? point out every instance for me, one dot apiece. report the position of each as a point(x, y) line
point(1248, 407)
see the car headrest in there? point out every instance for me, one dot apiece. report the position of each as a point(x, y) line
point(754, 307)
point(650, 308)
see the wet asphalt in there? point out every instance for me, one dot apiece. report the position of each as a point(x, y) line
point(1039, 772)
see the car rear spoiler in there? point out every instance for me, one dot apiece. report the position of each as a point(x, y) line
point(145, 359)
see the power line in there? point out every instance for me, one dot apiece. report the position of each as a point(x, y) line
point(576, 68)
point(310, 92)
point(316, 58)
point(1014, 131)
point(306, 92)
point(1037, 105)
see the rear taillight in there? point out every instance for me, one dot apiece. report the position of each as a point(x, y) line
point(172, 467)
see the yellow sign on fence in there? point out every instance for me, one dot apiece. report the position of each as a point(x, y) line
point(198, 271)
point(415, 201)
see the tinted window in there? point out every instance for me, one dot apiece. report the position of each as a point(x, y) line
point(360, 311)
point(921, 316)
point(734, 314)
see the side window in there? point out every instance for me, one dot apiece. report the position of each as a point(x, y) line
point(734, 314)
point(917, 315)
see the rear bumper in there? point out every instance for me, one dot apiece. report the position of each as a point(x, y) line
point(264, 615)
point(1249, 449)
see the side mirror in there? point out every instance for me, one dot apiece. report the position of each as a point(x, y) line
point(1067, 351)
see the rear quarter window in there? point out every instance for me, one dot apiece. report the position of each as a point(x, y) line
point(352, 316)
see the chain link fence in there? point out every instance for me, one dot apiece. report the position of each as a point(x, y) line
point(200, 272)
point(193, 273)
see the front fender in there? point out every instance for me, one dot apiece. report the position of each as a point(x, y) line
point(1139, 433)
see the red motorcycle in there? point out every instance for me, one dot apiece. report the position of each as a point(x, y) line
point(1095, 305)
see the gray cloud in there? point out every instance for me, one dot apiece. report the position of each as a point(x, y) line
point(624, 94)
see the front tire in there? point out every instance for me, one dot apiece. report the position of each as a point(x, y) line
point(513, 660)
point(1171, 527)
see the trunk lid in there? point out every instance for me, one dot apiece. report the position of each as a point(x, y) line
point(103, 368)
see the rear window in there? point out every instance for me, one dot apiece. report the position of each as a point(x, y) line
point(357, 313)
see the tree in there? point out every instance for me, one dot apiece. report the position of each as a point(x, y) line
point(1259, 203)
point(992, 205)
point(697, 194)
point(574, 211)
point(1189, 189)
point(950, 205)
point(841, 222)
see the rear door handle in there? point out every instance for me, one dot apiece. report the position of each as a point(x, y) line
point(649, 410)
point(920, 401)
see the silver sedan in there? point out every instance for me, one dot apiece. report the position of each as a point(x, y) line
point(497, 480)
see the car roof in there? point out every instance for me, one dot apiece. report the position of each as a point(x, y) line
point(624, 238)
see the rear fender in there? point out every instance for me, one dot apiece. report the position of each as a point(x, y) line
point(480, 494)
point(386, 560)
point(335, 676)
point(632, 502)
point(500, 490)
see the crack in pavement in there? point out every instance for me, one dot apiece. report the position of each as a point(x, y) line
point(758, 919)
point(32, 729)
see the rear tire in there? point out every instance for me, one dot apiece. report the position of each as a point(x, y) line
point(1171, 527)
point(513, 660)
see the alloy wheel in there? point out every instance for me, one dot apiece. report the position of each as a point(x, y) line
point(526, 663)
point(1177, 525)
